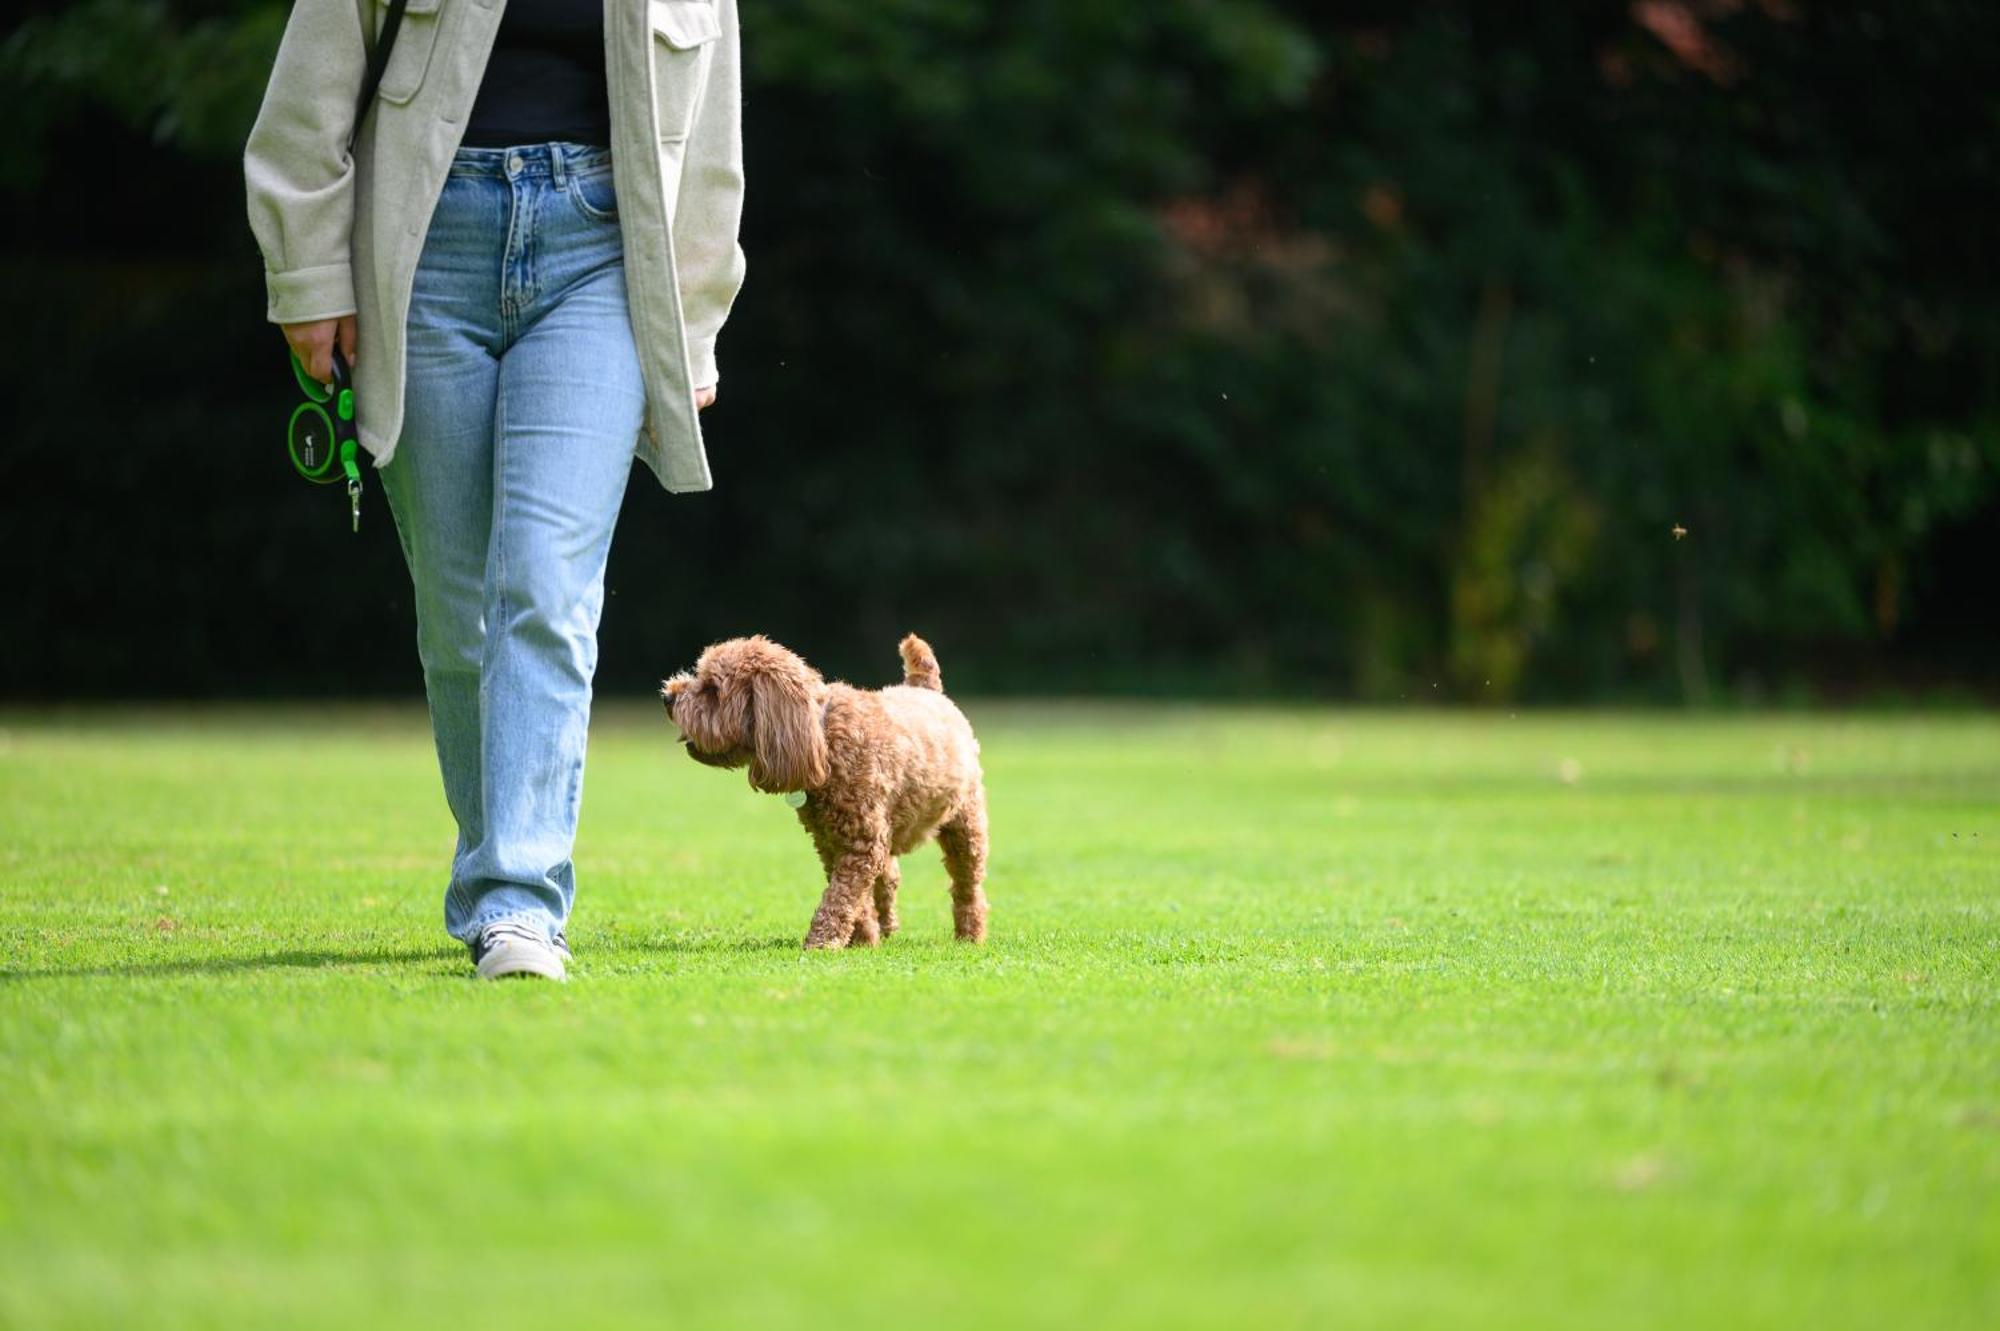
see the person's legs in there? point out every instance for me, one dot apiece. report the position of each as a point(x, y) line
point(439, 484)
point(568, 408)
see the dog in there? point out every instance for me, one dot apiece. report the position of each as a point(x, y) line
point(872, 773)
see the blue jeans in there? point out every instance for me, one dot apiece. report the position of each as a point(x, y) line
point(521, 423)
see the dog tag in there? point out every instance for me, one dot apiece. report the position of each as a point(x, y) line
point(796, 799)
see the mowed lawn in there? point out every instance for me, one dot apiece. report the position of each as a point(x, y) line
point(1289, 1018)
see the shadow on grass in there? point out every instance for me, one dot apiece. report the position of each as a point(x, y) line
point(293, 960)
point(325, 959)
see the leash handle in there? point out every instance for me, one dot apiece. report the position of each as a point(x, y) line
point(378, 60)
point(323, 432)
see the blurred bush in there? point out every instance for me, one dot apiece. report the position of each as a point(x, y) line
point(1203, 346)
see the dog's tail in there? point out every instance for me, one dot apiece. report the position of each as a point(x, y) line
point(920, 667)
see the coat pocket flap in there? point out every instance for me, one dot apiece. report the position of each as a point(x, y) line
point(685, 24)
point(410, 59)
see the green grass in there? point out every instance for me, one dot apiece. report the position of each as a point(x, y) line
point(1289, 1019)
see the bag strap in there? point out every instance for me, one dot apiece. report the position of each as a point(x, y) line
point(378, 60)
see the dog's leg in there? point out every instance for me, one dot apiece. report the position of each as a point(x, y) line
point(861, 931)
point(963, 841)
point(848, 882)
point(867, 932)
point(886, 884)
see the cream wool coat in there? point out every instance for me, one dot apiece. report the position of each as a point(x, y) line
point(341, 235)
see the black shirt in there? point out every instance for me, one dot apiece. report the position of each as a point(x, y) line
point(544, 82)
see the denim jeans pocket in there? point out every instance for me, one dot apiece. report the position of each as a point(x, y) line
point(594, 194)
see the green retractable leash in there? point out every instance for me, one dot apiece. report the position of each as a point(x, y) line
point(321, 438)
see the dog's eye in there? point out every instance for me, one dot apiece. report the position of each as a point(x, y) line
point(709, 688)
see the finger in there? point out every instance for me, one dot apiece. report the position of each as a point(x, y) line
point(349, 337)
point(301, 340)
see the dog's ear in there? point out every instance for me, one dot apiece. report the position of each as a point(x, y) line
point(788, 748)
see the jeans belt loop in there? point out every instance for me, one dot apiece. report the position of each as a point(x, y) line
point(558, 168)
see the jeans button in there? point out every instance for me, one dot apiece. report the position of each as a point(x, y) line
point(514, 164)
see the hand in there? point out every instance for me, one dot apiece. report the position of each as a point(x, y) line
point(704, 398)
point(312, 343)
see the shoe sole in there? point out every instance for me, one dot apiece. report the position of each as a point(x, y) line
point(522, 959)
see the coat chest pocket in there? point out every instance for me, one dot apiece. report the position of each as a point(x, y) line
point(411, 59)
point(683, 31)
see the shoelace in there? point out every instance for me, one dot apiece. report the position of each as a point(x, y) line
point(505, 930)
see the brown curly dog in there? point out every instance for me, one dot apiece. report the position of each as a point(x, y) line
point(879, 773)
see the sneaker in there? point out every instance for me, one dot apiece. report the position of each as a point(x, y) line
point(515, 947)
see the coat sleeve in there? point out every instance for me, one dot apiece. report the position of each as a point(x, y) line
point(710, 206)
point(297, 172)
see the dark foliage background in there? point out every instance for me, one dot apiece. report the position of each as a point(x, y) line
point(1206, 346)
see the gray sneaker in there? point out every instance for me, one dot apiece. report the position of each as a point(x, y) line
point(516, 947)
